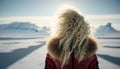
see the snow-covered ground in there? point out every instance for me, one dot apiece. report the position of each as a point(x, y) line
point(19, 51)
point(109, 53)
point(28, 51)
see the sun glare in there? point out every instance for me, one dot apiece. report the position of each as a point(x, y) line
point(65, 6)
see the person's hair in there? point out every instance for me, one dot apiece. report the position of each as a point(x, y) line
point(72, 28)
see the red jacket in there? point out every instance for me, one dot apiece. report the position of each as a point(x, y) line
point(90, 63)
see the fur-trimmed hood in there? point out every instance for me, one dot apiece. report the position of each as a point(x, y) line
point(55, 52)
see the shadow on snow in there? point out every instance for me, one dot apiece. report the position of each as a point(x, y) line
point(115, 60)
point(112, 46)
point(7, 59)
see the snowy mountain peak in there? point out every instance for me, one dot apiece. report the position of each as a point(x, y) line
point(106, 29)
point(21, 26)
point(109, 24)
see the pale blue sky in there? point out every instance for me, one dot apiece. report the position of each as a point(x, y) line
point(48, 7)
point(39, 11)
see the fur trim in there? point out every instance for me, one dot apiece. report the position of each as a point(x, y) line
point(55, 52)
point(91, 48)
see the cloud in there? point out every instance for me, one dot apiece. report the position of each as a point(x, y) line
point(23, 18)
point(39, 20)
point(48, 20)
point(111, 16)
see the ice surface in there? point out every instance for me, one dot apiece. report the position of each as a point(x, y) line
point(28, 51)
point(108, 53)
point(22, 53)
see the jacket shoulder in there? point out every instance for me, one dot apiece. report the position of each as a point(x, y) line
point(53, 48)
point(92, 47)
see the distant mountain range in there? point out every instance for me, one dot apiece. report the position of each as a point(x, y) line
point(27, 27)
point(22, 27)
point(107, 29)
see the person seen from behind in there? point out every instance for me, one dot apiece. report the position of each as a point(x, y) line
point(71, 47)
